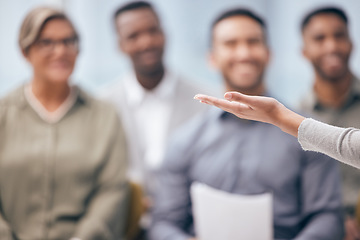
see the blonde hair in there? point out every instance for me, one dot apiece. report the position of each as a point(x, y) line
point(35, 21)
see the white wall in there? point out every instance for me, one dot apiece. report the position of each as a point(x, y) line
point(187, 24)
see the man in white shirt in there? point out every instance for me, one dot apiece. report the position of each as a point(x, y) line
point(152, 101)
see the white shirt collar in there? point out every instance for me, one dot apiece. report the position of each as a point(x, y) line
point(136, 93)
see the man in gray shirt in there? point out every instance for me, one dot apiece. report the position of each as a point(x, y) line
point(246, 157)
point(335, 97)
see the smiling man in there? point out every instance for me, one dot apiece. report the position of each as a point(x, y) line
point(151, 99)
point(246, 157)
point(335, 97)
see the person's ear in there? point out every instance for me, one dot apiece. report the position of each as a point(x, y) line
point(212, 60)
point(25, 53)
point(305, 52)
point(304, 49)
point(120, 44)
point(268, 55)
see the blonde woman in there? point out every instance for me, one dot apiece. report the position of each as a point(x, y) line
point(62, 153)
point(342, 144)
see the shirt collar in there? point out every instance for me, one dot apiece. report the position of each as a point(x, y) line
point(58, 114)
point(137, 94)
point(81, 96)
point(354, 95)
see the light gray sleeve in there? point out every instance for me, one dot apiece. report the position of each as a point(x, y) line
point(342, 144)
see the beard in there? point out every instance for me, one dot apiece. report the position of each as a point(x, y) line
point(332, 77)
point(249, 88)
point(150, 71)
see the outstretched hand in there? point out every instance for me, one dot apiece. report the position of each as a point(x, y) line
point(258, 108)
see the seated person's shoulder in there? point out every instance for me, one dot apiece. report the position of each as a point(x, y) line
point(12, 100)
point(102, 109)
point(13, 97)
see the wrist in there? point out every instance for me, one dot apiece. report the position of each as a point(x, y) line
point(287, 120)
point(278, 115)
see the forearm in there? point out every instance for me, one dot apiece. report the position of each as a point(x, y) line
point(339, 143)
point(170, 215)
point(106, 215)
point(107, 205)
point(323, 226)
point(167, 231)
point(5, 230)
point(321, 203)
point(171, 211)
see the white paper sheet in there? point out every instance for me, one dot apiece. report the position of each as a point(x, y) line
point(219, 215)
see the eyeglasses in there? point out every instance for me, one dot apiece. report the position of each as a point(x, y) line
point(48, 45)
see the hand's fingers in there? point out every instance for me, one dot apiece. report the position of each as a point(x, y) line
point(251, 101)
point(230, 96)
point(232, 107)
point(205, 98)
point(239, 97)
point(221, 103)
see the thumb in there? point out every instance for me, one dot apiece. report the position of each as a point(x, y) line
point(238, 97)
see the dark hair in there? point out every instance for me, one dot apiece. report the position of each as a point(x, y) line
point(133, 6)
point(239, 12)
point(324, 10)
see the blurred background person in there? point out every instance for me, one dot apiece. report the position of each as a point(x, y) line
point(246, 157)
point(151, 99)
point(62, 153)
point(335, 96)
